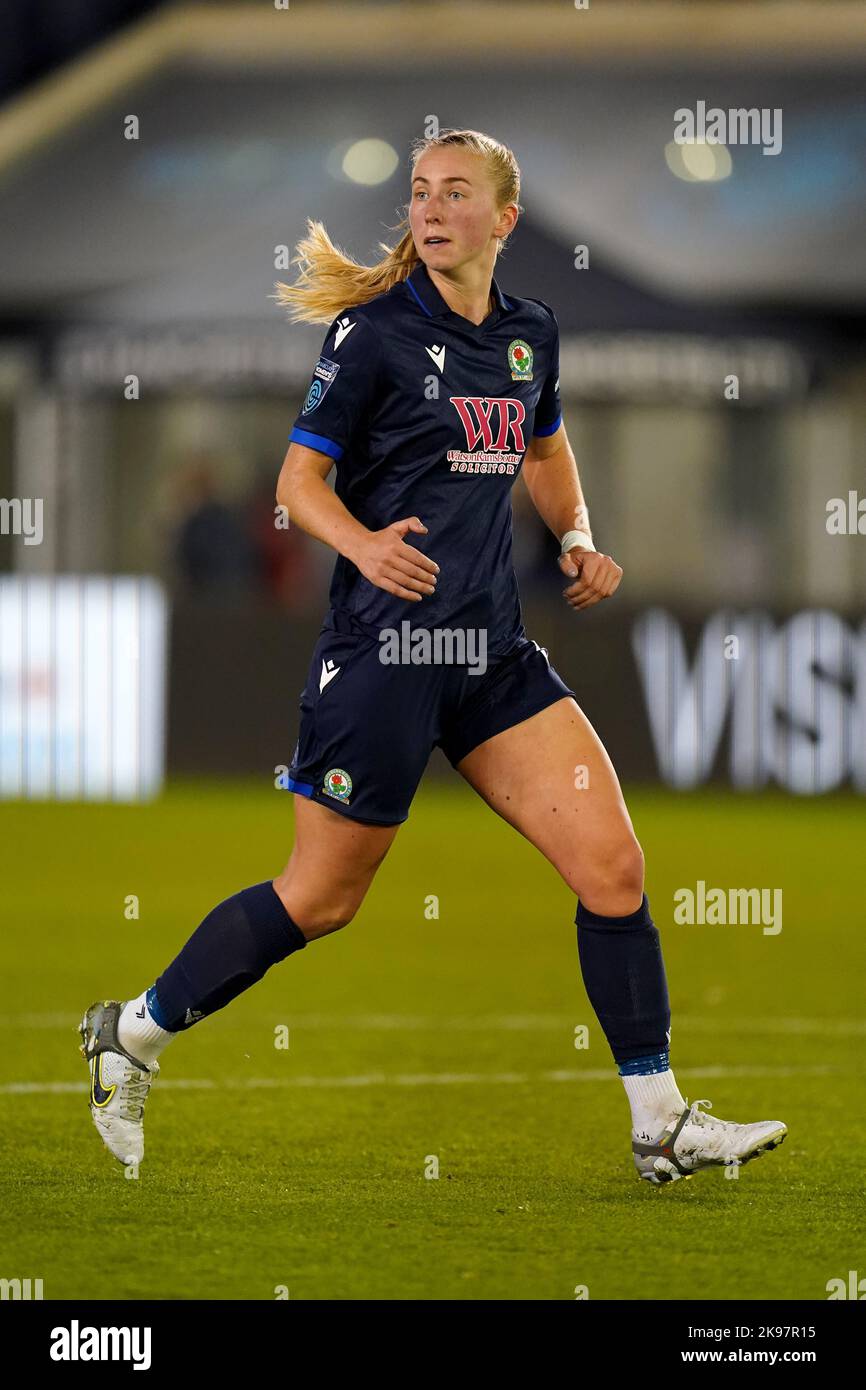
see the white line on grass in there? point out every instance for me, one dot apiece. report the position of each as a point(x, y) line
point(503, 1078)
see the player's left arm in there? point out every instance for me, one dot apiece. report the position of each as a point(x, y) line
point(551, 477)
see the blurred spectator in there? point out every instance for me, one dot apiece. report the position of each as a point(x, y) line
point(214, 556)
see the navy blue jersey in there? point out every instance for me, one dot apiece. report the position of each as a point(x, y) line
point(429, 415)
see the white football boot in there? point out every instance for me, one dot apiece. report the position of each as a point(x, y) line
point(694, 1140)
point(119, 1083)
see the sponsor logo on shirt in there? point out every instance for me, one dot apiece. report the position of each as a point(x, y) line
point(493, 427)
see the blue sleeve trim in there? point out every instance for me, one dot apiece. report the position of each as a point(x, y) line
point(317, 441)
point(547, 429)
point(305, 788)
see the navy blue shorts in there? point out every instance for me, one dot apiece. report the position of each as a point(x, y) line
point(368, 728)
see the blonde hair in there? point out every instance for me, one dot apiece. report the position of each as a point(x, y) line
point(329, 280)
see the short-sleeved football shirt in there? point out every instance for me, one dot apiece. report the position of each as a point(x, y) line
point(427, 414)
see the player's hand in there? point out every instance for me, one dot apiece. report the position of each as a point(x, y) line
point(390, 563)
point(596, 576)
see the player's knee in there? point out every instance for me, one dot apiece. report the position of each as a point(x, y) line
point(327, 917)
point(613, 884)
point(316, 909)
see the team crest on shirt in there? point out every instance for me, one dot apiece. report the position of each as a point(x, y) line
point(324, 373)
point(338, 784)
point(520, 360)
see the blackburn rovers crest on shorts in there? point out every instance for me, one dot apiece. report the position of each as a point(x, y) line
point(520, 360)
point(324, 373)
point(338, 784)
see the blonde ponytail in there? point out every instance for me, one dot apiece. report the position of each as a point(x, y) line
point(330, 280)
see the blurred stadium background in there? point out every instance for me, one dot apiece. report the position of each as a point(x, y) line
point(161, 629)
point(155, 256)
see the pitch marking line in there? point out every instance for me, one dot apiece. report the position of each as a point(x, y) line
point(505, 1078)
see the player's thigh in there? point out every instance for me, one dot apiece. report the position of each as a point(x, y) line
point(551, 778)
point(333, 862)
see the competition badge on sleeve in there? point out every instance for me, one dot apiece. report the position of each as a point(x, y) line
point(324, 373)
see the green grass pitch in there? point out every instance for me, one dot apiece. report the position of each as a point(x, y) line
point(412, 1038)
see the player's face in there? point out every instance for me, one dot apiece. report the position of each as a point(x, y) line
point(452, 212)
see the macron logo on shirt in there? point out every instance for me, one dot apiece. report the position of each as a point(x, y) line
point(344, 328)
point(329, 671)
point(438, 355)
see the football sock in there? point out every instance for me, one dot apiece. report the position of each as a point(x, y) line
point(139, 1033)
point(654, 1099)
point(624, 976)
point(232, 949)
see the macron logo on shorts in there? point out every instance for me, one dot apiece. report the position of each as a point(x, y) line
point(329, 671)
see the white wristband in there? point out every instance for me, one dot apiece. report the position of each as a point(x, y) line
point(573, 538)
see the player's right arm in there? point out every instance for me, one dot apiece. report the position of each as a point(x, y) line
point(383, 556)
point(345, 385)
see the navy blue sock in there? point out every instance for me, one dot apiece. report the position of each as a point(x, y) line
point(231, 949)
point(624, 976)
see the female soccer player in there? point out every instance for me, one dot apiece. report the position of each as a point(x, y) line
point(433, 392)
